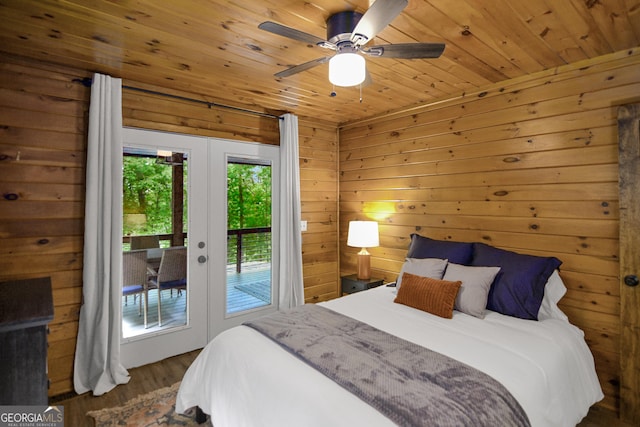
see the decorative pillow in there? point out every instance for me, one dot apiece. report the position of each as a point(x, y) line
point(518, 288)
point(554, 290)
point(427, 267)
point(476, 282)
point(424, 247)
point(431, 295)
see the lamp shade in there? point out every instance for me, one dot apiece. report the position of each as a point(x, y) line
point(347, 69)
point(363, 234)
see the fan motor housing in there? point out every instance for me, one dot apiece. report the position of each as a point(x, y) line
point(341, 25)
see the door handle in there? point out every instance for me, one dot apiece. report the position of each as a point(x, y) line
point(631, 280)
point(202, 259)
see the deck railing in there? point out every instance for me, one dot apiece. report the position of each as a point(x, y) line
point(244, 246)
point(248, 245)
point(165, 241)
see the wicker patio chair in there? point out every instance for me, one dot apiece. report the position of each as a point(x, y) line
point(134, 278)
point(172, 274)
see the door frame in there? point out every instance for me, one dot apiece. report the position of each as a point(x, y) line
point(152, 347)
point(220, 151)
point(629, 188)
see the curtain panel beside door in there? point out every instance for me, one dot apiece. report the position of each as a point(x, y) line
point(291, 289)
point(97, 364)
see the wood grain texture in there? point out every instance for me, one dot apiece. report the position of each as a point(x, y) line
point(144, 379)
point(42, 158)
point(199, 46)
point(530, 165)
point(43, 148)
point(508, 138)
point(629, 187)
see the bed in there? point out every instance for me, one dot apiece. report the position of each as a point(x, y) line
point(244, 378)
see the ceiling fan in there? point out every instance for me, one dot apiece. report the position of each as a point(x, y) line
point(347, 34)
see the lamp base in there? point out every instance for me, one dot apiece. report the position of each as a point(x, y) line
point(364, 264)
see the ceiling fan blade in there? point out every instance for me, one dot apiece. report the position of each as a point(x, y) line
point(379, 15)
point(302, 67)
point(406, 50)
point(292, 33)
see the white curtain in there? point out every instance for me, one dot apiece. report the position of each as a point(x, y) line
point(97, 359)
point(291, 286)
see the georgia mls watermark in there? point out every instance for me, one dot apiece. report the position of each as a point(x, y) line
point(32, 416)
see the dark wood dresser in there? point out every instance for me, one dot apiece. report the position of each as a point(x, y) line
point(26, 308)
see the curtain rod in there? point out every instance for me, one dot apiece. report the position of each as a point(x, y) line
point(88, 80)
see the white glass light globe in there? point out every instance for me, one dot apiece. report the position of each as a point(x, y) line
point(347, 69)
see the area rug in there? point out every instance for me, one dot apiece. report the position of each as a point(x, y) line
point(148, 410)
point(260, 290)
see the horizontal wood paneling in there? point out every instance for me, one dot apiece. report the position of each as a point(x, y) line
point(43, 121)
point(556, 211)
point(42, 152)
point(529, 165)
point(215, 48)
point(319, 199)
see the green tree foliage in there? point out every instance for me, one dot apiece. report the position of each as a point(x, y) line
point(249, 196)
point(147, 191)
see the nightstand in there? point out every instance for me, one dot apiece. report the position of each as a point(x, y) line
point(351, 284)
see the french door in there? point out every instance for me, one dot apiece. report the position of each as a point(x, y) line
point(158, 323)
point(223, 215)
point(244, 239)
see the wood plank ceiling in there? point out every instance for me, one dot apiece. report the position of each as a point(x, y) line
point(213, 48)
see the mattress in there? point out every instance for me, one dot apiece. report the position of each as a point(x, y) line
point(244, 379)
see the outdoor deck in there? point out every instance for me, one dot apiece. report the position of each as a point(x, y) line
point(249, 289)
point(245, 291)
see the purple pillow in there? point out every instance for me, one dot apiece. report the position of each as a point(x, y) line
point(518, 288)
point(455, 252)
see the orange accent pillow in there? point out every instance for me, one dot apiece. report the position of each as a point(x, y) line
point(431, 295)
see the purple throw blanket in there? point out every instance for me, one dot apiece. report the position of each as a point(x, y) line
point(409, 384)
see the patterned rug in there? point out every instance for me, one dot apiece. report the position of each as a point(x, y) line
point(148, 410)
point(260, 290)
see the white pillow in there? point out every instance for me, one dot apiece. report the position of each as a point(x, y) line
point(554, 290)
point(476, 282)
point(425, 267)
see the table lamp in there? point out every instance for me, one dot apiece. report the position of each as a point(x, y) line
point(363, 234)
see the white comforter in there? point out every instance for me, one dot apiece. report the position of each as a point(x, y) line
point(243, 379)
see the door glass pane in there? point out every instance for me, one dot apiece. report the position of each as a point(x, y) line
point(154, 230)
point(248, 234)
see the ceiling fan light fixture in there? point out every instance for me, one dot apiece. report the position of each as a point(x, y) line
point(347, 69)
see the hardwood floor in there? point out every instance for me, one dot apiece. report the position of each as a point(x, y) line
point(143, 380)
point(167, 372)
point(599, 417)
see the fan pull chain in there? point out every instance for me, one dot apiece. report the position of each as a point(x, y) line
point(360, 93)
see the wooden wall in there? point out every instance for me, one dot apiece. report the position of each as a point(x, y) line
point(42, 146)
point(529, 165)
point(43, 122)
